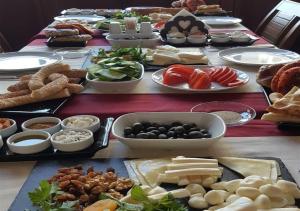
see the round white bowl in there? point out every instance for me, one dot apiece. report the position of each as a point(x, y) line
point(30, 149)
point(220, 37)
point(115, 85)
point(10, 130)
point(1, 142)
point(94, 127)
point(75, 146)
point(213, 123)
point(197, 39)
point(176, 40)
point(50, 130)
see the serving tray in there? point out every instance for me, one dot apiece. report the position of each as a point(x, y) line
point(101, 141)
point(281, 125)
point(45, 169)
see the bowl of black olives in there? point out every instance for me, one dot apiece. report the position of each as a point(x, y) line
point(169, 129)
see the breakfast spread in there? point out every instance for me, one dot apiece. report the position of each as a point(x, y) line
point(4, 123)
point(50, 82)
point(148, 130)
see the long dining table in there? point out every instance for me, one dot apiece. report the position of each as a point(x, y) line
point(255, 139)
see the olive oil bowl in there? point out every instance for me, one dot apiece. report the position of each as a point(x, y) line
point(29, 142)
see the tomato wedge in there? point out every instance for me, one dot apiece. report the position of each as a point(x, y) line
point(236, 83)
point(172, 78)
point(199, 80)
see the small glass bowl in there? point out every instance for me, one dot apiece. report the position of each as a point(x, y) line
point(72, 52)
point(233, 114)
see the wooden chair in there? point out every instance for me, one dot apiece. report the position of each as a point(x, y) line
point(281, 26)
point(4, 45)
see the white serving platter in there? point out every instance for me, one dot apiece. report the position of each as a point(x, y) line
point(258, 56)
point(87, 18)
point(220, 21)
point(26, 61)
point(213, 123)
point(157, 77)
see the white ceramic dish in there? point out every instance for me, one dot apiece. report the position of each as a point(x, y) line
point(115, 85)
point(125, 43)
point(94, 127)
point(197, 39)
point(220, 21)
point(10, 130)
point(75, 146)
point(258, 56)
point(51, 130)
point(237, 113)
point(30, 148)
point(25, 61)
point(87, 18)
point(176, 40)
point(214, 124)
point(157, 77)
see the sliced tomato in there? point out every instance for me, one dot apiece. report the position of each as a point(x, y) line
point(228, 80)
point(236, 83)
point(219, 73)
point(199, 80)
point(185, 71)
point(172, 78)
point(226, 76)
point(159, 25)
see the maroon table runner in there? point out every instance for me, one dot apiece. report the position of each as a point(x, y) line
point(115, 105)
point(93, 42)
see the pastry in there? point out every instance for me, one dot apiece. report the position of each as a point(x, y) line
point(15, 94)
point(60, 32)
point(37, 79)
point(21, 85)
point(73, 38)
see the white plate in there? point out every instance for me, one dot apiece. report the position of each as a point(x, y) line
point(24, 61)
point(157, 77)
point(213, 123)
point(220, 21)
point(87, 18)
point(258, 56)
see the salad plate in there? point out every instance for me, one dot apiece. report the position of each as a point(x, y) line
point(258, 56)
point(157, 77)
point(26, 61)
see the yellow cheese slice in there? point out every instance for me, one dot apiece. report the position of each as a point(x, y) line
point(248, 167)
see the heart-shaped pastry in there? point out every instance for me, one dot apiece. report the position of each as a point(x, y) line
point(184, 24)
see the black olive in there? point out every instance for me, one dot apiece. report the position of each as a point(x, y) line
point(172, 129)
point(166, 126)
point(156, 132)
point(162, 129)
point(171, 134)
point(130, 136)
point(206, 135)
point(155, 125)
point(142, 135)
point(152, 135)
point(127, 130)
point(195, 134)
point(146, 124)
point(186, 126)
point(185, 135)
point(162, 136)
point(151, 128)
point(193, 125)
point(137, 127)
point(193, 129)
point(204, 131)
point(179, 130)
point(175, 124)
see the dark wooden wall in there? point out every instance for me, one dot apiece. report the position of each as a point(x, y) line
point(21, 19)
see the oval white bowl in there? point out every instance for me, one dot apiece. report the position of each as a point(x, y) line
point(220, 39)
point(115, 85)
point(214, 124)
point(50, 130)
point(94, 127)
point(10, 130)
point(176, 40)
point(72, 147)
point(31, 149)
point(197, 39)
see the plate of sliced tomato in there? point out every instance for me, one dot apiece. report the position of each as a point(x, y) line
point(200, 78)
